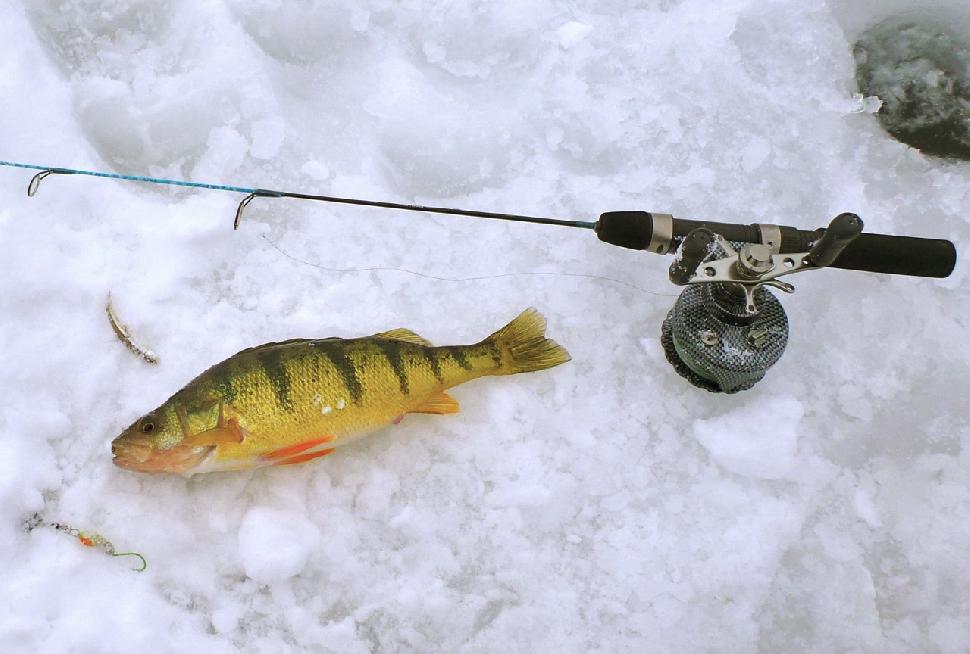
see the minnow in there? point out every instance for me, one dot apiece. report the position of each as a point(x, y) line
point(290, 402)
point(121, 331)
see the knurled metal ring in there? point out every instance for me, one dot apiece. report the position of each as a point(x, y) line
point(663, 233)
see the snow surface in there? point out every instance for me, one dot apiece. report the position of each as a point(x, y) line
point(603, 506)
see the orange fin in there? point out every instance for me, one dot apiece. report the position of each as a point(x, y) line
point(300, 458)
point(439, 404)
point(231, 434)
point(228, 430)
point(291, 450)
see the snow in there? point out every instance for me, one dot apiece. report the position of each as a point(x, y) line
point(604, 505)
point(738, 440)
point(274, 545)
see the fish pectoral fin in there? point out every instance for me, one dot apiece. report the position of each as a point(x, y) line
point(229, 429)
point(439, 404)
point(406, 335)
point(216, 436)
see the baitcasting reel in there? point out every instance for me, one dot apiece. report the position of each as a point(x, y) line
point(726, 328)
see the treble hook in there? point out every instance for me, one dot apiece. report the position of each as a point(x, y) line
point(41, 176)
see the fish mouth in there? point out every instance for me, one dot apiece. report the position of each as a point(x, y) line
point(140, 456)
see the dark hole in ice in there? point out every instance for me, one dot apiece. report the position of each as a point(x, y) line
point(921, 74)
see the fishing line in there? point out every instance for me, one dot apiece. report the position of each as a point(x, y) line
point(459, 279)
point(47, 171)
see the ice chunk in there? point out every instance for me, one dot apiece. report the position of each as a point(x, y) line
point(572, 33)
point(755, 440)
point(274, 545)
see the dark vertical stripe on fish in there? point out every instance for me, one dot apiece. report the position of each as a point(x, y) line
point(272, 361)
point(458, 355)
point(223, 381)
point(431, 355)
point(392, 350)
point(335, 350)
point(495, 353)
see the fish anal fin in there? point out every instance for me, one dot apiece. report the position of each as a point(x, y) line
point(439, 404)
point(406, 335)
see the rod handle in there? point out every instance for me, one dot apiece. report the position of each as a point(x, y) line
point(878, 253)
point(899, 255)
point(627, 229)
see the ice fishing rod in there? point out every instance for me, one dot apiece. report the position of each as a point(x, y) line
point(725, 329)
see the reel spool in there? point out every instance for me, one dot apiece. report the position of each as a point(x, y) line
point(727, 329)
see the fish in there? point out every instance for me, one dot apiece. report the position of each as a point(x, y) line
point(294, 401)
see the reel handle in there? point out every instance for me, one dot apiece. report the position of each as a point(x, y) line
point(843, 229)
point(878, 253)
point(695, 248)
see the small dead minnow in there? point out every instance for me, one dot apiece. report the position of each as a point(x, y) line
point(122, 333)
point(290, 402)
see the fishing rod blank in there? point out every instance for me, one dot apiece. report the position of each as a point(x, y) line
point(252, 193)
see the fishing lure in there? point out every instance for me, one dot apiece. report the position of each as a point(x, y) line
point(86, 538)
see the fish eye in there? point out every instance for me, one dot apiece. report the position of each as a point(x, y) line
point(147, 427)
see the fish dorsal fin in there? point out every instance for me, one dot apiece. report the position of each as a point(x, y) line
point(406, 335)
point(266, 346)
point(439, 404)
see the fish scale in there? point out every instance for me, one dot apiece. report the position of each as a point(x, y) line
point(289, 402)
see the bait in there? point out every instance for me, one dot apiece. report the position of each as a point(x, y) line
point(122, 333)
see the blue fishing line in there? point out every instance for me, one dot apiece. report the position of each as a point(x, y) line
point(132, 178)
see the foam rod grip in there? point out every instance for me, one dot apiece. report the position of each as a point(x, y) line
point(628, 229)
point(898, 255)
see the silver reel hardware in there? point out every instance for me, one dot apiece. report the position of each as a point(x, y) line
point(706, 257)
point(750, 267)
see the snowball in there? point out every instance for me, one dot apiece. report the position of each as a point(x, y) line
point(572, 33)
point(274, 545)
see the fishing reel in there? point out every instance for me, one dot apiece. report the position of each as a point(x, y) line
point(726, 328)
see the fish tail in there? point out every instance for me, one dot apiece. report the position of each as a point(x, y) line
point(524, 345)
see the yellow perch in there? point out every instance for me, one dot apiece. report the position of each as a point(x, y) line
point(289, 402)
